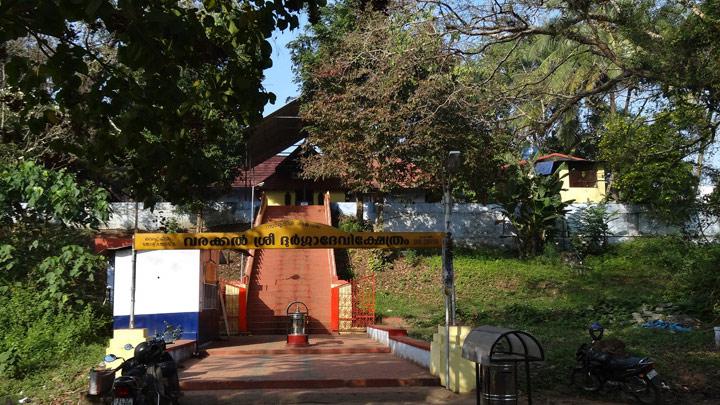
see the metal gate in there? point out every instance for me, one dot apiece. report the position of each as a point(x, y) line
point(232, 295)
point(363, 301)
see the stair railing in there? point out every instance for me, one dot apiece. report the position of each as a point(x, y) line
point(250, 262)
point(328, 221)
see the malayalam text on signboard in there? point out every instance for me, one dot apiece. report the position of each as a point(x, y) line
point(292, 234)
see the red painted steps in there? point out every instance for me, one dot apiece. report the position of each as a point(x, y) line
point(318, 344)
point(281, 276)
point(298, 350)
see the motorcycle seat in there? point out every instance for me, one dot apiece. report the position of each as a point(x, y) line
point(626, 362)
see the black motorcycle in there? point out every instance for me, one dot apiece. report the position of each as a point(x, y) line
point(149, 377)
point(597, 369)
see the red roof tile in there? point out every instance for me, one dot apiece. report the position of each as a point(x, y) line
point(258, 173)
point(560, 158)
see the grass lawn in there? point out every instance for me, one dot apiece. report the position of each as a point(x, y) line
point(547, 298)
point(63, 382)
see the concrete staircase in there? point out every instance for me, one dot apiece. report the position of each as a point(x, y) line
point(281, 276)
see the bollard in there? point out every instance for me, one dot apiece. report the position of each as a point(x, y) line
point(717, 337)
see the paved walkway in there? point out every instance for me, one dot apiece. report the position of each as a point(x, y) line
point(331, 370)
point(264, 362)
point(386, 395)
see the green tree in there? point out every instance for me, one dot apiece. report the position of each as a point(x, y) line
point(648, 165)
point(384, 102)
point(42, 217)
point(558, 64)
point(51, 284)
point(154, 96)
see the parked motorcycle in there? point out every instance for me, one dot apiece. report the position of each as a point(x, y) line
point(149, 377)
point(597, 368)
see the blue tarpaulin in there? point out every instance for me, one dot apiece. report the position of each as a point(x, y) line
point(544, 167)
point(660, 324)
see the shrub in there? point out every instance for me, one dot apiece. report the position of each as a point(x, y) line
point(379, 260)
point(590, 229)
point(33, 338)
point(693, 280)
point(351, 224)
point(412, 257)
point(49, 289)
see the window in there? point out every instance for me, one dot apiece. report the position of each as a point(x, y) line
point(583, 174)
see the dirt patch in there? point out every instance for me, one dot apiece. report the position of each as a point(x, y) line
point(506, 284)
point(233, 268)
point(395, 322)
point(691, 381)
point(410, 279)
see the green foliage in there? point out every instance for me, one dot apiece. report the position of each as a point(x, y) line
point(379, 260)
point(51, 285)
point(41, 213)
point(33, 337)
point(351, 224)
point(63, 381)
point(408, 101)
point(320, 41)
point(543, 297)
point(151, 99)
point(65, 278)
point(694, 282)
point(648, 166)
point(532, 204)
point(412, 257)
point(590, 229)
point(31, 193)
point(170, 225)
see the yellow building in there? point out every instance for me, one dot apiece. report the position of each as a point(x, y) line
point(583, 180)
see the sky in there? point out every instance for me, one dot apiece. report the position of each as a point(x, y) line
point(279, 79)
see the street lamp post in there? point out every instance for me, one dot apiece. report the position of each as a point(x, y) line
point(252, 203)
point(451, 166)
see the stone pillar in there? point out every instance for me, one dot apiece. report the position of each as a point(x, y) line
point(120, 338)
point(462, 371)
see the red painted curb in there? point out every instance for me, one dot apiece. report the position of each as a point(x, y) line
point(265, 384)
point(390, 330)
point(420, 344)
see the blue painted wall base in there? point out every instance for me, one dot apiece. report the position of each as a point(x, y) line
point(155, 323)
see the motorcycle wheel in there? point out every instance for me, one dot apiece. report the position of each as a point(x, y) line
point(174, 390)
point(587, 380)
point(643, 390)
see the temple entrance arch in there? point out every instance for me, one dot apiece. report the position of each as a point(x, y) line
point(296, 234)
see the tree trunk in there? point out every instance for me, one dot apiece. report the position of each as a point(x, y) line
point(199, 221)
point(359, 207)
point(379, 220)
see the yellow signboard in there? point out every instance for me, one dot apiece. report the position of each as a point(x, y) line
point(292, 234)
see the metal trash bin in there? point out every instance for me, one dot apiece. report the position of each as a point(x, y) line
point(297, 325)
point(499, 384)
point(496, 353)
point(101, 381)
